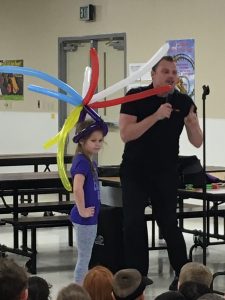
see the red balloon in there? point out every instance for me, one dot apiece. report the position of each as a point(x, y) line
point(94, 76)
point(133, 97)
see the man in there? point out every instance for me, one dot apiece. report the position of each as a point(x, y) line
point(13, 281)
point(151, 129)
point(128, 284)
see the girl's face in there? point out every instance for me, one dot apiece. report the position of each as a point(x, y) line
point(93, 143)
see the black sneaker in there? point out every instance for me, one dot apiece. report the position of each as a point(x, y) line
point(173, 285)
point(147, 280)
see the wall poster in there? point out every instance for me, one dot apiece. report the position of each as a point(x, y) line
point(11, 85)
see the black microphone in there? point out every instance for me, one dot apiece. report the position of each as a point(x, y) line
point(169, 96)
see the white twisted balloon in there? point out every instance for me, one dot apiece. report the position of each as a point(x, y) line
point(87, 81)
point(126, 81)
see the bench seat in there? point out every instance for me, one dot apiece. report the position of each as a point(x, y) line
point(32, 223)
point(38, 207)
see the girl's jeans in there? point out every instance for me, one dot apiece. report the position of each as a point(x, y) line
point(85, 237)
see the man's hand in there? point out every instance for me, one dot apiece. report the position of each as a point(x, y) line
point(87, 212)
point(191, 119)
point(164, 111)
point(194, 131)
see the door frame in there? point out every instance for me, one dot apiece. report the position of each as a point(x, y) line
point(62, 61)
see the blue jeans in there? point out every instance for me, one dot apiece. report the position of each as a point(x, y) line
point(85, 237)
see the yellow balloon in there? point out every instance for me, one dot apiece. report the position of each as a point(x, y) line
point(60, 138)
point(51, 141)
point(68, 126)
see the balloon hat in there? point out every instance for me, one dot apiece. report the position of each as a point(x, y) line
point(84, 104)
point(98, 124)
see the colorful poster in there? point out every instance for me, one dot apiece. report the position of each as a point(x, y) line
point(11, 85)
point(183, 51)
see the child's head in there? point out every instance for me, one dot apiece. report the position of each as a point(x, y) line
point(195, 272)
point(128, 284)
point(170, 295)
point(193, 290)
point(73, 291)
point(98, 283)
point(89, 136)
point(13, 280)
point(38, 288)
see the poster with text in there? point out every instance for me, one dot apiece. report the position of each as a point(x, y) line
point(11, 85)
point(183, 51)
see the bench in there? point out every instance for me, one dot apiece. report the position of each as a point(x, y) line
point(35, 192)
point(32, 223)
point(26, 199)
point(197, 234)
point(58, 206)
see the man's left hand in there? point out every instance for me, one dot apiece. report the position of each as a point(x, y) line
point(191, 119)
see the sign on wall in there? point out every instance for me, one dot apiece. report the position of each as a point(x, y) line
point(11, 85)
point(183, 51)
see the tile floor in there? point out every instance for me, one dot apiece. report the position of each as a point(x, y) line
point(56, 259)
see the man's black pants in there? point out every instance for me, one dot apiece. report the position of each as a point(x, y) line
point(161, 188)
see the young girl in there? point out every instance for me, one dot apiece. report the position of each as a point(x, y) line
point(84, 214)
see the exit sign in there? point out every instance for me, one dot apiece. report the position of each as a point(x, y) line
point(87, 13)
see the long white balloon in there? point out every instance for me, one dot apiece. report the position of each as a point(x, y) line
point(126, 81)
point(87, 81)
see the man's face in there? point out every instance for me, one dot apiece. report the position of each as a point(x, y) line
point(165, 73)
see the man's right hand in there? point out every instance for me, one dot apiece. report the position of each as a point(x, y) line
point(164, 111)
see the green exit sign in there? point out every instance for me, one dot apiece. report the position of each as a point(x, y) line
point(87, 13)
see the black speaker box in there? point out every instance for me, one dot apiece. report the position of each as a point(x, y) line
point(108, 171)
point(108, 247)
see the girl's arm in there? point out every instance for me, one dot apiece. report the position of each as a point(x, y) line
point(78, 191)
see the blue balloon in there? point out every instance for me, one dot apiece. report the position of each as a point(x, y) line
point(54, 94)
point(32, 72)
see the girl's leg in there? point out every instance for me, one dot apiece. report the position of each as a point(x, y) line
point(85, 238)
